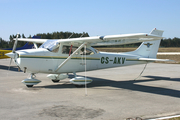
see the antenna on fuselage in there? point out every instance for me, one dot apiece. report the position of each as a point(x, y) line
point(141, 72)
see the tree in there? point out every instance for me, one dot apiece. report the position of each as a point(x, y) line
point(10, 37)
point(23, 36)
point(29, 36)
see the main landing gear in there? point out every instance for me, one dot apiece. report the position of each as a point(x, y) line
point(57, 77)
point(29, 82)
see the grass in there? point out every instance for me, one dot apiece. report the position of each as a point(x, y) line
point(170, 49)
point(176, 58)
point(178, 118)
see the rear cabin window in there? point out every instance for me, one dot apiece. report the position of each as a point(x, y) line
point(66, 50)
point(87, 52)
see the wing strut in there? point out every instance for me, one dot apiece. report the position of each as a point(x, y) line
point(64, 62)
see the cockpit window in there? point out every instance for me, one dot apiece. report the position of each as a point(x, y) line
point(51, 45)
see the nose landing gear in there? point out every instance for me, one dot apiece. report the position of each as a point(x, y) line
point(29, 82)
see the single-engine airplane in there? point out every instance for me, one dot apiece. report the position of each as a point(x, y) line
point(59, 56)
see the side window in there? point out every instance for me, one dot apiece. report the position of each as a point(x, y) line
point(88, 52)
point(66, 49)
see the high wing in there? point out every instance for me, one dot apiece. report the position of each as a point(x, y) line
point(32, 40)
point(102, 40)
point(126, 39)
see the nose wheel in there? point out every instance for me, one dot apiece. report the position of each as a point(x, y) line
point(29, 82)
point(29, 86)
point(55, 81)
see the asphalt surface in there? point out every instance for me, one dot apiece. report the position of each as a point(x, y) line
point(113, 94)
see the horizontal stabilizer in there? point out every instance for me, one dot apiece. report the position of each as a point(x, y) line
point(154, 59)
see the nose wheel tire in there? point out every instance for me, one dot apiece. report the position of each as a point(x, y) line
point(29, 86)
point(55, 81)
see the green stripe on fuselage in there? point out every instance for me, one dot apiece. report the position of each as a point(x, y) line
point(132, 60)
point(32, 81)
point(57, 57)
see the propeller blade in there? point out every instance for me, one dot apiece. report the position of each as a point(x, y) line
point(12, 54)
point(10, 64)
point(15, 43)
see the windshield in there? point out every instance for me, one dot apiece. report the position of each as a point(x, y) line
point(51, 45)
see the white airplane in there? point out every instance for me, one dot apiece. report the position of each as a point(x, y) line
point(59, 56)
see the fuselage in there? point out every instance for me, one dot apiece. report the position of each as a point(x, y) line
point(44, 61)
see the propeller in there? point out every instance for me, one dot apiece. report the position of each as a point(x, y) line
point(12, 54)
point(10, 64)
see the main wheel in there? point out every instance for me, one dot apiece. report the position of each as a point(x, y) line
point(29, 86)
point(55, 81)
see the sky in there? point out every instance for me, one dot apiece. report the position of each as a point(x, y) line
point(96, 17)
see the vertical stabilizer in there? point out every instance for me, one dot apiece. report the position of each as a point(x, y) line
point(157, 32)
point(149, 49)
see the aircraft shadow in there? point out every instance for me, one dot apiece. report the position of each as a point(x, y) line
point(128, 85)
point(12, 68)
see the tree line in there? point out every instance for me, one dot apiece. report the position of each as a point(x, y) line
point(174, 42)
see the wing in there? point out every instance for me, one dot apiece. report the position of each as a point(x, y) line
point(126, 39)
point(32, 40)
point(112, 39)
point(103, 40)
